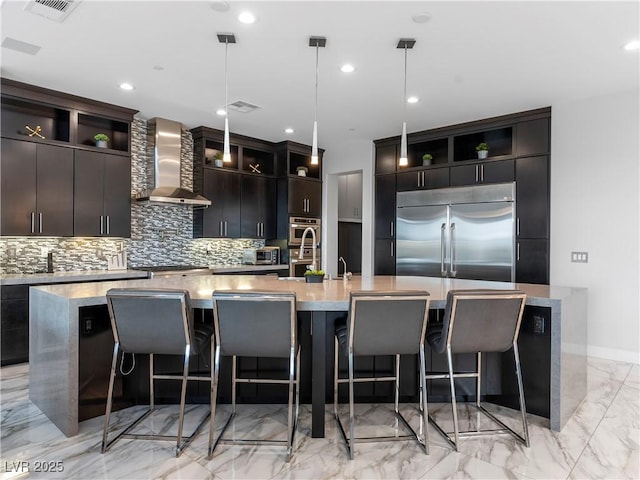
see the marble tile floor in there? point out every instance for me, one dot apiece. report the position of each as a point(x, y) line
point(601, 440)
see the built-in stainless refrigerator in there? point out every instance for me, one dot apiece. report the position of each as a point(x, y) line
point(462, 232)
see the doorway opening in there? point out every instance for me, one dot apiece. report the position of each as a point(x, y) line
point(350, 222)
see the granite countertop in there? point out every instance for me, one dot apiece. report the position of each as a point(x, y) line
point(72, 276)
point(101, 275)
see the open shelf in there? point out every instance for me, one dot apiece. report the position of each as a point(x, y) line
point(439, 150)
point(18, 114)
point(299, 160)
point(262, 161)
point(500, 142)
point(211, 148)
point(117, 131)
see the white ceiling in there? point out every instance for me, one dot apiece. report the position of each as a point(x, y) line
point(472, 60)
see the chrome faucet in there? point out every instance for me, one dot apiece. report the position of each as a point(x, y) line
point(313, 245)
point(344, 263)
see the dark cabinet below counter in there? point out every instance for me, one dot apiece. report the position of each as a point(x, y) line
point(14, 324)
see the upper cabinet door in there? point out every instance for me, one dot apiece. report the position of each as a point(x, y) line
point(117, 195)
point(88, 214)
point(533, 137)
point(37, 189)
point(55, 191)
point(386, 158)
point(532, 197)
point(18, 187)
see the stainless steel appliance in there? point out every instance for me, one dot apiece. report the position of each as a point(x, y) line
point(261, 256)
point(462, 232)
point(297, 266)
point(297, 226)
point(170, 270)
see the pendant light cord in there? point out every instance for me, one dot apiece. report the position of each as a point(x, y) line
point(404, 97)
point(315, 114)
point(226, 96)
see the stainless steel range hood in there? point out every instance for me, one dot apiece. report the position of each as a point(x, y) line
point(163, 136)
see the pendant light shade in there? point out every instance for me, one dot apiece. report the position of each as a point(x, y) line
point(406, 44)
point(316, 42)
point(226, 38)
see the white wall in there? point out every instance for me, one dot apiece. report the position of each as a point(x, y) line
point(595, 207)
point(351, 156)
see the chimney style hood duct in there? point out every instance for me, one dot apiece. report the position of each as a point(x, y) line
point(165, 138)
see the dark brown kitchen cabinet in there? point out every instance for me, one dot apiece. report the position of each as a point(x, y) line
point(533, 137)
point(532, 197)
point(304, 197)
point(14, 324)
point(483, 173)
point(36, 188)
point(102, 195)
point(422, 179)
point(385, 207)
point(386, 158)
point(532, 261)
point(384, 262)
point(258, 207)
point(222, 218)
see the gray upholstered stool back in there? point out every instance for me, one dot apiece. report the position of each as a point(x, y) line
point(255, 323)
point(481, 320)
point(387, 323)
point(151, 320)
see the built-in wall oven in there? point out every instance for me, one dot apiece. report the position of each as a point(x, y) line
point(297, 266)
point(297, 226)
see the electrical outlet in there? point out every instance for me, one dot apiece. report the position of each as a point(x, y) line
point(99, 253)
point(11, 253)
point(44, 251)
point(538, 324)
point(580, 257)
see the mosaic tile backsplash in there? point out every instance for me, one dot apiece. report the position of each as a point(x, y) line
point(160, 234)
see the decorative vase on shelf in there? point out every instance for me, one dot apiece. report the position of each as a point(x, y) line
point(101, 143)
point(482, 154)
point(426, 160)
point(218, 162)
point(302, 171)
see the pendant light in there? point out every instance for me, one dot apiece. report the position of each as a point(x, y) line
point(226, 38)
point(406, 44)
point(316, 42)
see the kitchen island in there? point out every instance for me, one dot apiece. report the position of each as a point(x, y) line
point(55, 331)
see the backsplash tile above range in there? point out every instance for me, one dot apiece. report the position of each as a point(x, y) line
point(160, 234)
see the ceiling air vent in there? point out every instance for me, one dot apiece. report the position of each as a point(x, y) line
point(56, 10)
point(243, 107)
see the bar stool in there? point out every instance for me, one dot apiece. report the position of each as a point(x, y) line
point(256, 324)
point(382, 323)
point(479, 321)
point(155, 321)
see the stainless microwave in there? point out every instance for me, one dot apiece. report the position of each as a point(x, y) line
point(261, 256)
point(297, 226)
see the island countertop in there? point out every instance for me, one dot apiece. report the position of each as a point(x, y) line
point(55, 313)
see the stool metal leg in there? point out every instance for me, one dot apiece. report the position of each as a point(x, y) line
point(183, 397)
point(107, 415)
point(335, 377)
point(423, 400)
point(151, 391)
point(234, 364)
point(292, 364)
point(351, 407)
point(454, 406)
point(397, 385)
point(523, 408)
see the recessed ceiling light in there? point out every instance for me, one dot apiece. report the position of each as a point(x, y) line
point(347, 68)
point(421, 17)
point(220, 6)
point(632, 45)
point(247, 18)
point(289, 130)
point(221, 111)
point(413, 100)
point(126, 86)
point(158, 68)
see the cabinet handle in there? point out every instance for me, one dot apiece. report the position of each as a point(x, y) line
point(101, 224)
point(419, 176)
point(518, 251)
point(476, 173)
point(518, 226)
point(40, 222)
point(220, 228)
point(443, 228)
point(108, 224)
point(391, 224)
point(452, 249)
point(226, 232)
point(262, 228)
point(482, 173)
point(391, 245)
point(33, 222)
point(258, 229)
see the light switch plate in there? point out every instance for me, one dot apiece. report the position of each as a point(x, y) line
point(580, 257)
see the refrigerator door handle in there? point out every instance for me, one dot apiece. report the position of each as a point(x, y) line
point(452, 248)
point(443, 271)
